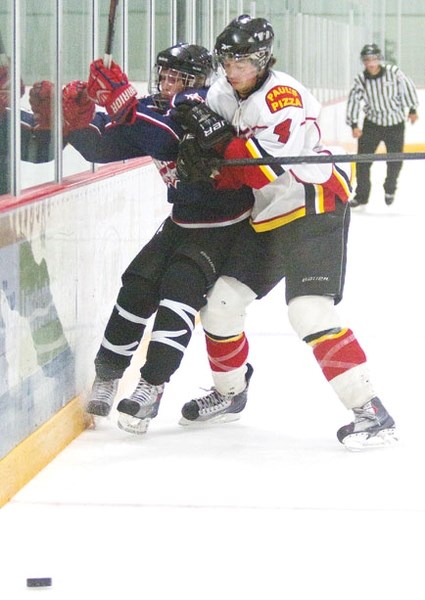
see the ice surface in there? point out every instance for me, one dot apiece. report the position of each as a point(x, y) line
point(272, 506)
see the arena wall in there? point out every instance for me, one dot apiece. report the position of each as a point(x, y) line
point(61, 256)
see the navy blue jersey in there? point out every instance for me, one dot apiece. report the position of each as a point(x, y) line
point(155, 134)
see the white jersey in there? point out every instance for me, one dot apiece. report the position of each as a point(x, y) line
point(280, 119)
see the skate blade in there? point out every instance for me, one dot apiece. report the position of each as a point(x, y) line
point(132, 424)
point(363, 441)
point(224, 418)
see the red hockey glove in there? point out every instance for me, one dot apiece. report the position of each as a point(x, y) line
point(78, 108)
point(41, 99)
point(110, 88)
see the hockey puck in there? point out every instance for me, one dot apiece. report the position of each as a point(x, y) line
point(39, 582)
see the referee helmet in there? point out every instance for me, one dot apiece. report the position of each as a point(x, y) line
point(370, 50)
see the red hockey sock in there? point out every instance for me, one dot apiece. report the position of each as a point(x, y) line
point(226, 354)
point(337, 352)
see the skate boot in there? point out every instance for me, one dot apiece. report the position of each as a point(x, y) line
point(215, 407)
point(372, 427)
point(136, 412)
point(355, 202)
point(102, 397)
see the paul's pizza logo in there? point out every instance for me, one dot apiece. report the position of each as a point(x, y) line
point(282, 96)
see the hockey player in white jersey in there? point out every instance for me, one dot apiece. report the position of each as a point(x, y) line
point(299, 231)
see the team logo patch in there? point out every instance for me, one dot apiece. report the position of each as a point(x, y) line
point(282, 96)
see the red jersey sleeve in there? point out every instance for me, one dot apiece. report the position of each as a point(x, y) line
point(236, 177)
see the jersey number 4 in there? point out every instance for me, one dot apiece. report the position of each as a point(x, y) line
point(283, 131)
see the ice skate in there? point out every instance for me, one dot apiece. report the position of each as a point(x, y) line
point(372, 427)
point(102, 397)
point(355, 202)
point(136, 412)
point(215, 407)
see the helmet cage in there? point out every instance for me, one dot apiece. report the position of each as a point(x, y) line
point(162, 74)
point(189, 63)
point(368, 57)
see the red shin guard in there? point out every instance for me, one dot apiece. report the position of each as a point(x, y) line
point(337, 352)
point(227, 354)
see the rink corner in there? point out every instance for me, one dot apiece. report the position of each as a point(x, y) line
point(35, 452)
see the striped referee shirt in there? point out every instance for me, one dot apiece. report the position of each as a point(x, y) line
point(385, 97)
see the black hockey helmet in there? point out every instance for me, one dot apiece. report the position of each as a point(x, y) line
point(186, 58)
point(370, 50)
point(246, 38)
point(191, 63)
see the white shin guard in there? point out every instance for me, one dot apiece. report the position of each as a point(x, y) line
point(310, 314)
point(225, 311)
point(354, 387)
point(230, 382)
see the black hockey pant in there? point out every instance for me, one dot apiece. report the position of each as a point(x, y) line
point(177, 298)
point(393, 138)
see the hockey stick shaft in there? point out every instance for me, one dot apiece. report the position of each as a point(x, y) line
point(107, 58)
point(317, 159)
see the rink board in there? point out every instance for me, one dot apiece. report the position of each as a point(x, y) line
point(36, 451)
point(61, 258)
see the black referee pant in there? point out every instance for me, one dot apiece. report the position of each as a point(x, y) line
point(393, 138)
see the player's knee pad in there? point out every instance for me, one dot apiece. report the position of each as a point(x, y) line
point(138, 296)
point(312, 314)
point(224, 313)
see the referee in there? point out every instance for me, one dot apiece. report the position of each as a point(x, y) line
point(386, 94)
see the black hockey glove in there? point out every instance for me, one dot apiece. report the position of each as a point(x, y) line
point(209, 128)
point(193, 162)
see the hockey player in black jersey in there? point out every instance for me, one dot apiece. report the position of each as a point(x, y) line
point(173, 272)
